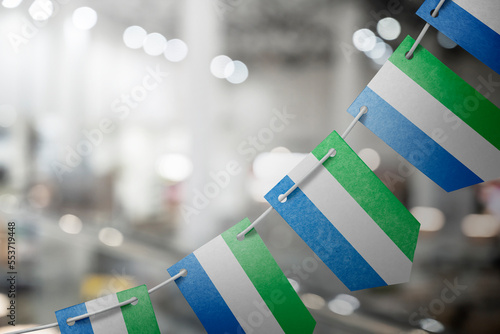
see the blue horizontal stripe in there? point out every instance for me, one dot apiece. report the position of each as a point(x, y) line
point(466, 30)
point(80, 327)
point(323, 238)
point(412, 143)
point(203, 297)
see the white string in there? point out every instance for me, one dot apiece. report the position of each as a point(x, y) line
point(183, 272)
point(240, 236)
point(282, 198)
point(330, 154)
point(363, 110)
point(87, 315)
point(39, 328)
point(434, 13)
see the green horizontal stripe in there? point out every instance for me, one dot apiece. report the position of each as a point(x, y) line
point(139, 318)
point(449, 89)
point(269, 280)
point(370, 193)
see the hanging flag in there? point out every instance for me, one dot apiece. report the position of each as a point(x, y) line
point(236, 287)
point(349, 218)
point(132, 318)
point(472, 24)
point(433, 118)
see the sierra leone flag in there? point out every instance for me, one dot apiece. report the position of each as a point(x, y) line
point(137, 318)
point(236, 287)
point(348, 217)
point(472, 24)
point(433, 118)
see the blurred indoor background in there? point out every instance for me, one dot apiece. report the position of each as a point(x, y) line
point(133, 132)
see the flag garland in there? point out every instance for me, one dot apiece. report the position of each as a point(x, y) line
point(433, 118)
point(357, 227)
point(472, 24)
point(132, 318)
point(237, 287)
point(349, 218)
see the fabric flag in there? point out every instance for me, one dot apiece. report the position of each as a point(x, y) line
point(472, 24)
point(236, 287)
point(348, 217)
point(131, 318)
point(433, 118)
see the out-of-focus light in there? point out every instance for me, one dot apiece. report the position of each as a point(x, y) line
point(39, 196)
point(280, 149)
point(111, 237)
point(155, 44)
point(11, 3)
point(84, 18)
point(75, 38)
point(238, 72)
point(388, 52)
point(313, 301)
point(378, 51)
point(8, 116)
point(430, 219)
point(4, 305)
point(444, 41)
point(344, 304)
point(8, 203)
point(389, 28)
point(480, 226)
point(70, 224)
point(134, 37)
point(364, 39)
point(41, 10)
point(174, 167)
point(295, 285)
point(431, 325)
point(222, 66)
point(176, 50)
point(370, 157)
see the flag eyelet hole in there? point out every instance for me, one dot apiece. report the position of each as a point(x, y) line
point(185, 273)
point(282, 198)
point(72, 323)
point(135, 301)
point(432, 13)
point(406, 56)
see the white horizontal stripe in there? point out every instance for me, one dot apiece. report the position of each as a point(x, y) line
point(486, 11)
point(437, 121)
point(353, 222)
point(109, 322)
point(235, 287)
